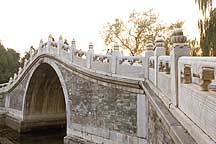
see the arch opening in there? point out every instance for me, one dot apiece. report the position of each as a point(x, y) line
point(45, 102)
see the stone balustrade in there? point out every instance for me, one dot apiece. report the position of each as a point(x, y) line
point(88, 59)
point(187, 82)
point(3, 86)
point(200, 68)
point(101, 58)
point(197, 98)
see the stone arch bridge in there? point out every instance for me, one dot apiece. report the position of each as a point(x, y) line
point(114, 99)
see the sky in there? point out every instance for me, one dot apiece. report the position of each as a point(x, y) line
point(24, 22)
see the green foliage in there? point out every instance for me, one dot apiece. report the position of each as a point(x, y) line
point(9, 63)
point(133, 34)
point(207, 29)
point(204, 5)
point(193, 45)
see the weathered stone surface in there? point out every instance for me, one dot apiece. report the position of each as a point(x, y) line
point(76, 140)
point(156, 129)
point(200, 107)
point(101, 106)
point(164, 84)
point(2, 100)
point(163, 127)
point(17, 94)
point(2, 119)
point(5, 141)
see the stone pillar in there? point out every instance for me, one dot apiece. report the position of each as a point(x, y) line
point(60, 44)
point(159, 51)
point(49, 43)
point(31, 52)
point(25, 63)
point(19, 70)
point(73, 48)
point(40, 46)
point(178, 49)
point(148, 53)
point(89, 57)
point(10, 81)
point(15, 76)
point(142, 118)
point(114, 58)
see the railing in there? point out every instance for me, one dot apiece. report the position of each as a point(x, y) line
point(102, 58)
point(151, 66)
point(198, 70)
point(70, 54)
point(3, 85)
point(132, 66)
point(188, 82)
point(164, 78)
point(197, 97)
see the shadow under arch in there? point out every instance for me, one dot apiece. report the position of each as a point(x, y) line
point(45, 102)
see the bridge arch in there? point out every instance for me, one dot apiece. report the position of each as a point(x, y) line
point(45, 101)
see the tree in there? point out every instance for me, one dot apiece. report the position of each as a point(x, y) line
point(133, 34)
point(9, 63)
point(204, 5)
point(193, 45)
point(207, 29)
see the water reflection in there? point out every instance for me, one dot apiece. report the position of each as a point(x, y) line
point(9, 136)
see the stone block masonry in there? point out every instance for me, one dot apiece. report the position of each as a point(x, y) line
point(99, 109)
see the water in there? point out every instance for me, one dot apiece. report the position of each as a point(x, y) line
point(9, 136)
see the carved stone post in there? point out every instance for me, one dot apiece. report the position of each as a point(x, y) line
point(73, 48)
point(178, 49)
point(49, 43)
point(148, 53)
point(114, 59)
point(40, 46)
point(60, 44)
point(19, 71)
point(187, 74)
point(10, 81)
point(159, 51)
point(142, 118)
point(31, 52)
point(207, 77)
point(25, 63)
point(89, 57)
point(15, 76)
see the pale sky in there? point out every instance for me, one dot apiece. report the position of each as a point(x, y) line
point(25, 22)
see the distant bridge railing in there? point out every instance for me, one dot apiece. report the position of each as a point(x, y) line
point(115, 63)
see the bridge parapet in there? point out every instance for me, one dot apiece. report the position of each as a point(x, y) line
point(177, 77)
point(129, 66)
point(197, 97)
point(188, 84)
